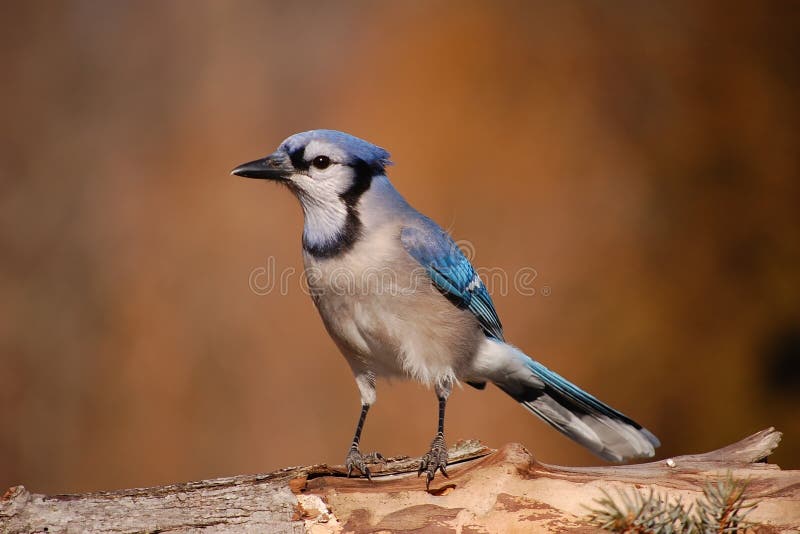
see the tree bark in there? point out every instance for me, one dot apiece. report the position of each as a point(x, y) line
point(488, 491)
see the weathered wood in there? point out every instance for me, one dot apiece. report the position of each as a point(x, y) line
point(488, 491)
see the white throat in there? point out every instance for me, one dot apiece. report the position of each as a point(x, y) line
point(324, 221)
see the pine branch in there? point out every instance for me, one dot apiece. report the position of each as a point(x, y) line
point(722, 509)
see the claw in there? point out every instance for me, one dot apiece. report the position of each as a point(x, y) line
point(356, 460)
point(434, 460)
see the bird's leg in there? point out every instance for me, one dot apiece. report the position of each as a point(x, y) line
point(436, 458)
point(354, 456)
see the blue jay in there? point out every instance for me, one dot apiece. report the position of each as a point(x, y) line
point(400, 300)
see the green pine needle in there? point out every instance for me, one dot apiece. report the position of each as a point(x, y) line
point(721, 509)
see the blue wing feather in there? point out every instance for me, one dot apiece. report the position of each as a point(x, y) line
point(451, 273)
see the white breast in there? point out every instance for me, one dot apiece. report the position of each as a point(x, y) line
point(383, 313)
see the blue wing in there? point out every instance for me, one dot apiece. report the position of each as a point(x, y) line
point(452, 273)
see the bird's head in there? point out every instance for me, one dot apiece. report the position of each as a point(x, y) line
point(322, 167)
point(328, 171)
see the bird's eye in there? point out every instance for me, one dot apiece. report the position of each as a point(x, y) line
point(321, 162)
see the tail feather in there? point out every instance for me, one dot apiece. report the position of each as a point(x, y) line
point(575, 413)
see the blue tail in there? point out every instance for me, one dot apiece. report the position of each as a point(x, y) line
point(577, 414)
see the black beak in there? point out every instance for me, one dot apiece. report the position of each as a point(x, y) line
point(274, 167)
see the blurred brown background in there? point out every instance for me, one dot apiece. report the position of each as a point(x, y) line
point(641, 156)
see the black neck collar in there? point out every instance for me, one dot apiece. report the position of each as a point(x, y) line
point(352, 231)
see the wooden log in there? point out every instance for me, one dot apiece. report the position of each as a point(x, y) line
point(488, 491)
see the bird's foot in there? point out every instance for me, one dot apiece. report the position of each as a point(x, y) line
point(359, 461)
point(436, 458)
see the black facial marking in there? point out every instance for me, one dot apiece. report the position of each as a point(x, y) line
point(298, 159)
point(352, 229)
point(361, 182)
